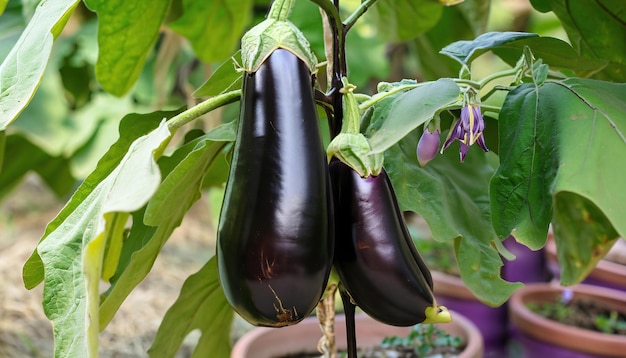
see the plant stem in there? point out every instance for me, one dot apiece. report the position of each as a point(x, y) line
point(202, 108)
point(349, 311)
point(351, 20)
point(280, 9)
point(330, 11)
point(497, 75)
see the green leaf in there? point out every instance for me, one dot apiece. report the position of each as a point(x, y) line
point(26, 156)
point(521, 186)
point(152, 227)
point(132, 127)
point(3, 5)
point(453, 197)
point(402, 20)
point(72, 254)
point(554, 52)
point(408, 111)
point(3, 139)
point(213, 27)
point(225, 78)
point(466, 51)
point(200, 305)
point(19, 78)
point(476, 14)
point(127, 30)
point(596, 29)
point(555, 168)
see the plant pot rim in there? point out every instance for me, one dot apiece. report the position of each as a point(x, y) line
point(546, 330)
point(451, 286)
point(249, 345)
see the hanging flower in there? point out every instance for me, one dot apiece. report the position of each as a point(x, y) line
point(467, 130)
point(428, 146)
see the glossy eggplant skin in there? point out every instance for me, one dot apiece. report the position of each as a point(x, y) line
point(375, 257)
point(275, 235)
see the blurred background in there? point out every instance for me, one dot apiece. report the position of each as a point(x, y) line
point(71, 122)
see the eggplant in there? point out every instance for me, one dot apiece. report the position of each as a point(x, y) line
point(275, 237)
point(375, 257)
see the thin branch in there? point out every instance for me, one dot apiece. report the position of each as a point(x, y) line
point(202, 108)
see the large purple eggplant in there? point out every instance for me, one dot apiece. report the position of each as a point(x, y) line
point(275, 237)
point(375, 257)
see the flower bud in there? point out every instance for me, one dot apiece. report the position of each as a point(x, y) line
point(427, 146)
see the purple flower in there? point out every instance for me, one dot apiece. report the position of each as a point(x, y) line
point(567, 295)
point(428, 146)
point(467, 130)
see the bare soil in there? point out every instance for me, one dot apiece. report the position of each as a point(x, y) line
point(25, 331)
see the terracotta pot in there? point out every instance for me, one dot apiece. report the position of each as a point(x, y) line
point(491, 321)
point(303, 337)
point(606, 273)
point(542, 337)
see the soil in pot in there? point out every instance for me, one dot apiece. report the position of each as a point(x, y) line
point(539, 336)
point(581, 313)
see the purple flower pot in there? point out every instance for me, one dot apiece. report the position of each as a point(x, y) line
point(528, 266)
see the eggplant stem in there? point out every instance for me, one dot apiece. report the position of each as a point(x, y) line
point(349, 309)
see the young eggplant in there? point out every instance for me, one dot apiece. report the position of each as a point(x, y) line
point(275, 236)
point(375, 257)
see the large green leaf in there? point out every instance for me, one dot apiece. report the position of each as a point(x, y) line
point(185, 171)
point(554, 52)
point(132, 127)
point(408, 111)
point(213, 27)
point(596, 29)
point(72, 254)
point(200, 305)
point(453, 198)
point(127, 30)
point(563, 162)
point(401, 20)
point(19, 79)
point(24, 157)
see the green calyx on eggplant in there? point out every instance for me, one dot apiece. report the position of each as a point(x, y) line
point(275, 237)
point(375, 257)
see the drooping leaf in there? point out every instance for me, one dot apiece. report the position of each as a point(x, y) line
point(563, 162)
point(127, 30)
point(466, 51)
point(213, 27)
point(402, 20)
point(596, 29)
point(26, 156)
point(132, 127)
point(200, 305)
point(408, 111)
point(185, 171)
point(19, 79)
point(225, 78)
point(72, 254)
point(453, 197)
